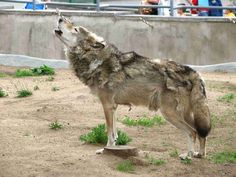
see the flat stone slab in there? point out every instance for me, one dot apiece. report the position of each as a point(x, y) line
point(122, 151)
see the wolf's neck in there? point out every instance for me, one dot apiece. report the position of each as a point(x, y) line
point(93, 67)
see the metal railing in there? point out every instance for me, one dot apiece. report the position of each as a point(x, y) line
point(98, 6)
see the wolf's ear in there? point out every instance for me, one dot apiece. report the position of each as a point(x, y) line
point(95, 40)
point(83, 31)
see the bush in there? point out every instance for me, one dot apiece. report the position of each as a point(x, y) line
point(98, 135)
point(23, 93)
point(42, 70)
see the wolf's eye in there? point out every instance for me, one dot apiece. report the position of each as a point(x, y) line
point(76, 30)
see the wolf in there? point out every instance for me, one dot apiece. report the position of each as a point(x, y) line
point(119, 78)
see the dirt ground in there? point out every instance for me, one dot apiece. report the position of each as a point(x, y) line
point(28, 148)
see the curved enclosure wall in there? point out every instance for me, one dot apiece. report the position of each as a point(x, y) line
point(188, 40)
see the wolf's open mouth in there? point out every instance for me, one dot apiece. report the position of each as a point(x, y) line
point(58, 32)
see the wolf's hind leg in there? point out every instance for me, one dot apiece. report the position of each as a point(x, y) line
point(202, 151)
point(178, 121)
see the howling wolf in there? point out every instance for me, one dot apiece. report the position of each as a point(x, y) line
point(130, 79)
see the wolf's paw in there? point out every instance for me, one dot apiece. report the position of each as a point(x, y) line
point(185, 156)
point(100, 151)
point(197, 155)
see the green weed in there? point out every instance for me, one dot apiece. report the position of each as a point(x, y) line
point(229, 97)
point(144, 121)
point(155, 161)
point(24, 73)
point(126, 166)
point(42, 70)
point(3, 93)
point(186, 161)
point(98, 135)
point(123, 138)
point(174, 153)
point(223, 157)
point(55, 125)
point(23, 93)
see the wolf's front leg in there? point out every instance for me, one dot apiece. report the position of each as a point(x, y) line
point(109, 111)
point(109, 107)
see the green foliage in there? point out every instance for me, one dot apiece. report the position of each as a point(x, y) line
point(229, 97)
point(186, 161)
point(42, 70)
point(23, 93)
point(155, 161)
point(123, 138)
point(55, 125)
point(174, 153)
point(3, 93)
point(223, 157)
point(98, 135)
point(126, 166)
point(24, 73)
point(144, 121)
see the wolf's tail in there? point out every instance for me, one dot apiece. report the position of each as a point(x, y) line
point(199, 105)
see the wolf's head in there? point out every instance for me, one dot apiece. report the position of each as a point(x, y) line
point(72, 35)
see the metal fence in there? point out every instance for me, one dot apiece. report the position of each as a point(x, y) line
point(97, 6)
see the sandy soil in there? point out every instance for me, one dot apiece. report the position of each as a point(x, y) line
point(28, 148)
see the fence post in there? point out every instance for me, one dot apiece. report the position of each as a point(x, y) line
point(98, 5)
point(33, 4)
point(171, 7)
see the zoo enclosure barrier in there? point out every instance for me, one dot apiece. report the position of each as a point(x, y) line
point(97, 6)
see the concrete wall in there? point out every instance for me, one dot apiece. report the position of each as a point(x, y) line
point(191, 40)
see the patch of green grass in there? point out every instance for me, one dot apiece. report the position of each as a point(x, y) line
point(223, 157)
point(186, 161)
point(3, 75)
point(123, 138)
point(216, 120)
point(229, 97)
point(3, 93)
point(155, 161)
point(23, 93)
point(144, 121)
point(98, 135)
point(55, 89)
point(174, 153)
point(42, 70)
point(55, 125)
point(126, 166)
point(24, 73)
